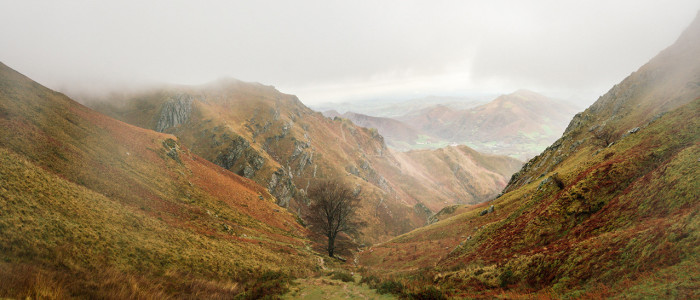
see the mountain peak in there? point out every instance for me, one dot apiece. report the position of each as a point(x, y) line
point(524, 92)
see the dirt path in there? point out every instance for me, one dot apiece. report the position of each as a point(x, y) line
point(326, 288)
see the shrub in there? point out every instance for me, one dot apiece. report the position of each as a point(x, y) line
point(371, 280)
point(342, 276)
point(428, 293)
point(390, 287)
point(300, 220)
point(506, 278)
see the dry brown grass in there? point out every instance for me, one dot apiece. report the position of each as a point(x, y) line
point(93, 207)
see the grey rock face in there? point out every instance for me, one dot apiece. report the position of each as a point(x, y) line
point(352, 170)
point(240, 158)
point(235, 150)
point(175, 111)
point(282, 187)
point(301, 155)
point(248, 172)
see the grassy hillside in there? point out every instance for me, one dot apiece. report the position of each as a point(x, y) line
point(257, 132)
point(272, 138)
point(462, 174)
point(609, 210)
point(93, 207)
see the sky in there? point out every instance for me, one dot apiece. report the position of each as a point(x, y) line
point(333, 51)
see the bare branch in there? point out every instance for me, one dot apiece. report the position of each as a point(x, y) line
point(332, 210)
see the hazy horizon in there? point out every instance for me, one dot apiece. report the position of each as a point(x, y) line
point(331, 51)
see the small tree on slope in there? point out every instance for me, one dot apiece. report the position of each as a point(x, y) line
point(332, 210)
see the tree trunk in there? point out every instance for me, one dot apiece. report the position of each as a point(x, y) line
point(331, 245)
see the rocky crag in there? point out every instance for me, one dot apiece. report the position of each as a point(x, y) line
point(272, 138)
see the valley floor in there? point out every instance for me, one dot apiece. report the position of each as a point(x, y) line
point(327, 288)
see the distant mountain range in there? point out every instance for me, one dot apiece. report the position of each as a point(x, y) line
point(199, 192)
point(520, 124)
point(608, 210)
point(397, 108)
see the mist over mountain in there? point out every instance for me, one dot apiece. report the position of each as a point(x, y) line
point(520, 124)
point(89, 202)
point(257, 132)
point(608, 210)
point(397, 135)
point(397, 108)
point(135, 164)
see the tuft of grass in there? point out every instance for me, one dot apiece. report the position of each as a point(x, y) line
point(506, 278)
point(427, 293)
point(269, 285)
point(371, 280)
point(342, 276)
point(390, 287)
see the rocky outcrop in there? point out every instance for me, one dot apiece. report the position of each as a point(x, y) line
point(442, 214)
point(487, 211)
point(302, 155)
point(240, 158)
point(175, 111)
point(282, 187)
point(234, 151)
point(172, 149)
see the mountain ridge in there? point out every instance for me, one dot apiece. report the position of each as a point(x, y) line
point(608, 210)
point(519, 124)
point(97, 207)
point(271, 137)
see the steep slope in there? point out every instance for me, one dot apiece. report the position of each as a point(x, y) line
point(610, 209)
point(93, 207)
point(272, 138)
point(520, 124)
point(458, 172)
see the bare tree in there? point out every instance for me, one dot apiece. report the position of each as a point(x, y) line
point(332, 210)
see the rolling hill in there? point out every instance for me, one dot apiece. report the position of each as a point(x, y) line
point(272, 138)
point(520, 124)
point(460, 172)
point(94, 207)
point(608, 210)
point(388, 108)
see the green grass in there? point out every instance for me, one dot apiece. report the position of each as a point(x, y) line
point(92, 207)
point(328, 288)
point(66, 238)
point(623, 217)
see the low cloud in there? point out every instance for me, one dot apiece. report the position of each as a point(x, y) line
point(332, 50)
